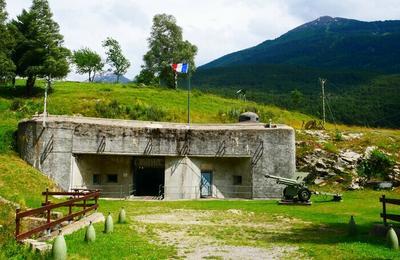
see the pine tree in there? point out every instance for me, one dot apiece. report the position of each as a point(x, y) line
point(39, 51)
point(7, 67)
point(166, 46)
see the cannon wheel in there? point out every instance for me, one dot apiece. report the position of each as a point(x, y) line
point(304, 194)
point(287, 193)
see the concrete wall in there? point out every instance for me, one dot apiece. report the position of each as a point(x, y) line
point(183, 177)
point(87, 165)
point(266, 150)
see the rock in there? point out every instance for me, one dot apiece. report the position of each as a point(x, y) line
point(351, 136)
point(320, 163)
point(350, 156)
point(338, 169)
point(368, 151)
point(319, 181)
point(354, 186)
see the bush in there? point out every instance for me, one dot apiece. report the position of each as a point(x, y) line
point(378, 165)
point(150, 113)
point(7, 139)
point(331, 148)
point(110, 110)
point(16, 104)
point(338, 136)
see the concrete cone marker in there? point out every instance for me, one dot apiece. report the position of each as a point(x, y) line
point(352, 227)
point(59, 250)
point(122, 216)
point(108, 225)
point(90, 235)
point(392, 239)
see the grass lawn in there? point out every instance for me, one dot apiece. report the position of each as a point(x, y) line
point(161, 229)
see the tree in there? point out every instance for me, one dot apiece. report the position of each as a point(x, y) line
point(166, 46)
point(39, 48)
point(87, 61)
point(7, 66)
point(115, 58)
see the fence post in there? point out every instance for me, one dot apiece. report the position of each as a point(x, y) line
point(95, 198)
point(48, 220)
point(17, 222)
point(384, 210)
point(47, 196)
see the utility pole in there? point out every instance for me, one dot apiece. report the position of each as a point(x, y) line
point(323, 81)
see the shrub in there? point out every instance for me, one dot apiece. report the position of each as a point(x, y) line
point(7, 139)
point(330, 148)
point(378, 165)
point(16, 104)
point(150, 113)
point(110, 110)
point(338, 136)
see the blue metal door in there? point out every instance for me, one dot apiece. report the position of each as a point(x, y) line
point(206, 184)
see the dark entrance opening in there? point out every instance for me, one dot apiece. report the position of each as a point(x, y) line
point(149, 176)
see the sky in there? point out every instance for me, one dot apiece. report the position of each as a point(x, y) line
point(216, 27)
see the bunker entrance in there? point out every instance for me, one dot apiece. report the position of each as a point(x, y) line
point(149, 176)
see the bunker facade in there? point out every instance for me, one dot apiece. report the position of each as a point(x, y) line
point(161, 160)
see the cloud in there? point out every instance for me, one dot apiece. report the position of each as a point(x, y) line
point(217, 27)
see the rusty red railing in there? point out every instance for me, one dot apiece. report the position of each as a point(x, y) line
point(86, 199)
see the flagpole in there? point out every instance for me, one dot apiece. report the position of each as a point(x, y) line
point(189, 99)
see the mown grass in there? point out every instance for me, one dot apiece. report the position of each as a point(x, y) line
point(322, 234)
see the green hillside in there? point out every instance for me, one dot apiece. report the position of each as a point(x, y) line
point(360, 60)
point(330, 42)
point(354, 97)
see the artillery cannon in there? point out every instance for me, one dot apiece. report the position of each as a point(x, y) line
point(297, 190)
point(294, 190)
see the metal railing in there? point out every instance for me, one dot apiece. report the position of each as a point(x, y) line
point(217, 191)
point(111, 191)
point(86, 199)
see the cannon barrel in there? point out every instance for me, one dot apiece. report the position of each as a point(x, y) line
point(282, 180)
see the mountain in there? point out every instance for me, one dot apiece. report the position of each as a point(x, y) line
point(327, 42)
point(360, 60)
point(110, 77)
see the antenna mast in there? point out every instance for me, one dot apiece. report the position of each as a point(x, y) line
point(323, 81)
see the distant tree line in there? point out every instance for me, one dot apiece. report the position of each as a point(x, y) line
point(31, 47)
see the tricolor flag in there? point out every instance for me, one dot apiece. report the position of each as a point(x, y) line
point(181, 67)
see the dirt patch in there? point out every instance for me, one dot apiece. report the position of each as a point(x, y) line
point(179, 229)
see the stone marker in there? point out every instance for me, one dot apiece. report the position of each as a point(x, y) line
point(90, 235)
point(108, 225)
point(59, 250)
point(122, 216)
point(392, 239)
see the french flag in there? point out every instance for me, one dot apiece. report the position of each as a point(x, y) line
point(181, 67)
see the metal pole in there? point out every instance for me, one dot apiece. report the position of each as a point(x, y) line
point(48, 85)
point(189, 100)
point(323, 99)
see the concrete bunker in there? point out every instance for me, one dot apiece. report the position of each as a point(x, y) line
point(159, 160)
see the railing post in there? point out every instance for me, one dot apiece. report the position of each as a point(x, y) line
point(96, 198)
point(84, 206)
point(48, 220)
point(17, 222)
point(47, 196)
point(384, 210)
